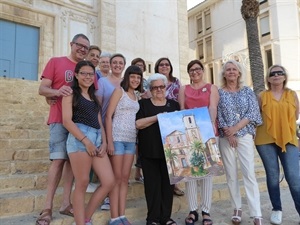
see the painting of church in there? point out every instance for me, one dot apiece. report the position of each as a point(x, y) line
point(188, 154)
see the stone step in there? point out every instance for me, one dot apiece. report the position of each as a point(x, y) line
point(23, 167)
point(16, 134)
point(24, 211)
point(23, 122)
point(23, 144)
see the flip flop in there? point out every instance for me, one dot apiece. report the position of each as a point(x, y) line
point(67, 211)
point(45, 217)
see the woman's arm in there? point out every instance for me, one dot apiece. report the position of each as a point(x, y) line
point(213, 103)
point(113, 102)
point(297, 105)
point(145, 122)
point(181, 97)
point(103, 147)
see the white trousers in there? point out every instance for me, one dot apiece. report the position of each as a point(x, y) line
point(244, 153)
point(205, 186)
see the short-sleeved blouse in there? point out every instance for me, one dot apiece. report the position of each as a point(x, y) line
point(235, 106)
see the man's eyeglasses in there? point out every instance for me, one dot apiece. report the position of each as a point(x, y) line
point(155, 88)
point(279, 73)
point(164, 64)
point(85, 74)
point(198, 69)
point(80, 46)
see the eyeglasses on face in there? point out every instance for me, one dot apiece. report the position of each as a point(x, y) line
point(198, 69)
point(155, 88)
point(80, 46)
point(278, 73)
point(164, 64)
point(85, 74)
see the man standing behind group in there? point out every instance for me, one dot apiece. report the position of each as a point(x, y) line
point(56, 80)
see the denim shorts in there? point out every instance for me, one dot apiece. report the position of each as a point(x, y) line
point(57, 141)
point(94, 135)
point(123, 147)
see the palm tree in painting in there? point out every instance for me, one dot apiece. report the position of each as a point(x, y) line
point(197, 158)
point(170, 157)
point(250, 12)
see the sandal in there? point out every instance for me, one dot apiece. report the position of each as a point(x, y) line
point(193, 216)
point(206, 221)
point(45, 217)
point(178, 192)
point(258, 221)
point(67, 211)
point(237, 216)
point(171, 222)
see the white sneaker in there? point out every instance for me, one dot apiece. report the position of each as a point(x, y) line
point(106, 204)
point(91, 188)
point(276, 217)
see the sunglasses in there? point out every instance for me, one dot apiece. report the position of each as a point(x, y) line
point(278, 73)
point(155, 88)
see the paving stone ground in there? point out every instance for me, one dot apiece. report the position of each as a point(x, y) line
point(221, 211)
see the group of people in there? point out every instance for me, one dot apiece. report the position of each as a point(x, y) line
point(100, 120)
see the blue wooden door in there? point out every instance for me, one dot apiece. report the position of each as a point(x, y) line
point(19, 45)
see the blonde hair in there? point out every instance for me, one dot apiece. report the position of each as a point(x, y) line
point(239, 68)
point(268, 74)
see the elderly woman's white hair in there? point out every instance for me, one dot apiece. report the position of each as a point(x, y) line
point(155, 77)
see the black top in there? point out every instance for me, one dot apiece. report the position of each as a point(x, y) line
point(149, 138)
point(86, 112)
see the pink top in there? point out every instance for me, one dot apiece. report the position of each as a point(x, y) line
point(194, 98)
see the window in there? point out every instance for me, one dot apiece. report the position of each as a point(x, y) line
point(19, 50)
point(211, 73)
point(262, 1)
point(264, 25)
point(208, 49)
point(200, 50)
point(207, 20)
point(199, 25)
point(268, 57)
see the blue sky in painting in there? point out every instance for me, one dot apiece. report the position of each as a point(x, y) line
point(169, 122)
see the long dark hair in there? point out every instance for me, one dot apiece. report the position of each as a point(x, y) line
point(132, 70)
point(171, 78)
point(76, 88)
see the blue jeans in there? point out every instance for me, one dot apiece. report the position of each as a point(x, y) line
point(269, 154)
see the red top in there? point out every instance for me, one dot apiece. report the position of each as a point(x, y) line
point(195, 98)
point(61, 71)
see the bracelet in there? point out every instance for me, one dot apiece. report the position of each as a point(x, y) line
point(82, 138)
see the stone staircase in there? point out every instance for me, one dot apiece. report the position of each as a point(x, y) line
point(24, 162)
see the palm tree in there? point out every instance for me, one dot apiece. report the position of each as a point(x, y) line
point(250, 11)
point(170, 157)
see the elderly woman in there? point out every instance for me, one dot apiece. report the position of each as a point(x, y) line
point(194, 95)
point(158, 191)
point(280, 107)
point(238, 116)
point(164, 66)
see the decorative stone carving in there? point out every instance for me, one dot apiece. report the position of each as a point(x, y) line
point(71, 15)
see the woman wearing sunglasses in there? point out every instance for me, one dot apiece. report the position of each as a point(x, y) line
point(276, 138)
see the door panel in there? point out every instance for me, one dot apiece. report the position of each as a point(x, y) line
point(19, 46)
point(26, 60)
point(7, 48)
